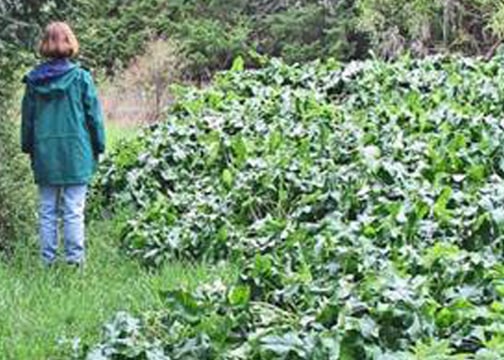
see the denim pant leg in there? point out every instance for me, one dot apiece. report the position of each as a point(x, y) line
point(48, 222)
point(74, 199)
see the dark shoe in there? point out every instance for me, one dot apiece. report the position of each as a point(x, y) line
point(49, 265)
point(76, 265)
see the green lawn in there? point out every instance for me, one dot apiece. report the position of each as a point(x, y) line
point(41, 307)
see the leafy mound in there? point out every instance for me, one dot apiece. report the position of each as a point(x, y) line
point(364, 203)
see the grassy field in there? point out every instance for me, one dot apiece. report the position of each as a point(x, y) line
point(42, 308)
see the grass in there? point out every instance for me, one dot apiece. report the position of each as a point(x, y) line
point(42, 311)
point(116, 131)
point(39, 307)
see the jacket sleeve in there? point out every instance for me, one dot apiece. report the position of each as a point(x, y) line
point(27, 113)
point(94, 115)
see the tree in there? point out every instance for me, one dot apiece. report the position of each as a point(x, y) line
point(428, 26)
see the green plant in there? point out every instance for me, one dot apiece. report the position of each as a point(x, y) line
point(17, 195)
point(16, 189)
point(362, 202)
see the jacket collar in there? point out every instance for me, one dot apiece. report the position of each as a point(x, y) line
point(50, 70)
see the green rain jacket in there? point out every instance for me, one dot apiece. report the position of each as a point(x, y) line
point(62, 123)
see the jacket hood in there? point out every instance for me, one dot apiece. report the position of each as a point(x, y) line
point(53, 76)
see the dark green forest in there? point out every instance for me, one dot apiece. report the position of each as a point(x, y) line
point(214, 32)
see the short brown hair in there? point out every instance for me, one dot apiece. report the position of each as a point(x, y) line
point(58, 41)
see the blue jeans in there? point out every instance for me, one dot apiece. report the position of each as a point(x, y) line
point(69, 201)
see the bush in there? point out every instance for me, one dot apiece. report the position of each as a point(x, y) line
point(20, 22)
point(211, 44)
point(364, 204)
point(17, 198)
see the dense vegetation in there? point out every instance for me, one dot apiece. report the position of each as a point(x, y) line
point(362, 202)
point(16, 217)
point(212, 33)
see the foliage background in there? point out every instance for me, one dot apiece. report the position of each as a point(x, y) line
point(214, 32)
point(16, 190)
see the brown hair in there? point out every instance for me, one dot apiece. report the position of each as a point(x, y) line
point(58, 41)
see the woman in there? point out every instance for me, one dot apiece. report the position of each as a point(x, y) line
point(62, 131)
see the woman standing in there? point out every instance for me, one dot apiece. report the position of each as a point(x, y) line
point(62, 131)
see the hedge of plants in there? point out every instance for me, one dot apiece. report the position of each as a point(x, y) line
point(364, 204)
point(16, 185)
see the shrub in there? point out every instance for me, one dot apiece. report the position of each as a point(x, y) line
point(17, 198)
point(211, 44)
point(19, 23)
